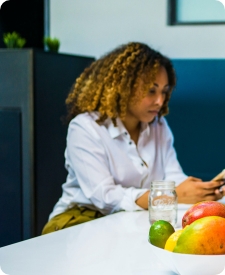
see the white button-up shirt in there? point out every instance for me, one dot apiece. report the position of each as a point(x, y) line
point(107, 171)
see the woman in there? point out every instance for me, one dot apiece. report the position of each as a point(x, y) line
point(118, 140)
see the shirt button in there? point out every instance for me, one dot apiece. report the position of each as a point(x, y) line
point(125, 133)
point(130, 142)
point(142, 164)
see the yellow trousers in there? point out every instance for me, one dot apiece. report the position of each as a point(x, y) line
point(73, 216)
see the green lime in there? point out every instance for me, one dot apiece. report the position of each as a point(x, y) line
point(159, 232)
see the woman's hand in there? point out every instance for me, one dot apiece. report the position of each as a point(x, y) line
point(194, 190)
point(142, 201)
point(222, 189)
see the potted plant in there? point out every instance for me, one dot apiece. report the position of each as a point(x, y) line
point(13, 40)
point(52, 44)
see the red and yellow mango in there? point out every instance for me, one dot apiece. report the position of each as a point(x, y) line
point(203, 209)
point(204, 236)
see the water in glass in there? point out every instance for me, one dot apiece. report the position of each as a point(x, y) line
point(163, 202)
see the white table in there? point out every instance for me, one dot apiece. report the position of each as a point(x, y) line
point(112, 245)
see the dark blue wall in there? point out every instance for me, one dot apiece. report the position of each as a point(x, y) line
point(197, 116)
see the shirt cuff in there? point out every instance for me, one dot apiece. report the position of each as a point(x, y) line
point(130, 196)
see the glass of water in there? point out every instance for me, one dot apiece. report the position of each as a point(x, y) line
point(162, 203)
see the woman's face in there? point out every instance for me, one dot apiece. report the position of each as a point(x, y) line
point(148, 107)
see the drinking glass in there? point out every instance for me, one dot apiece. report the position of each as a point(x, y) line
point(162, 203)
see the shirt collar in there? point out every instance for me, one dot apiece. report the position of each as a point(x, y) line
point(115, 131)
point(120, 129)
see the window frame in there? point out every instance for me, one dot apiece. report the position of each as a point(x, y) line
point(172, 17)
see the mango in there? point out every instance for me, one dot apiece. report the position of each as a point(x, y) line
point(203, 209)
point(205, 236)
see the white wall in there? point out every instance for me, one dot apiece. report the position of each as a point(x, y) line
point(94, 27)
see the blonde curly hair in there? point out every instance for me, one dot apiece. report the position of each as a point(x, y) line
point(111, 81)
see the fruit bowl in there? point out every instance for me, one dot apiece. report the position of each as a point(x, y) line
point(188, 264)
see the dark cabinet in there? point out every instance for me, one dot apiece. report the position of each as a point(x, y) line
point(33, 87)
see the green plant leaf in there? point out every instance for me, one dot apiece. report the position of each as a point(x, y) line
point(13, 40)
point(52, 44)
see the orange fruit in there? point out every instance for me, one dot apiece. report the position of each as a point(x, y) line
point(172, 240)
point(159, 232)
point(205, 236)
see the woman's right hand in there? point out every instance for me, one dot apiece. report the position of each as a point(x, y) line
point(194, 190)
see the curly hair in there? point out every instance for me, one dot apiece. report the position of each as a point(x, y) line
point(110, 82)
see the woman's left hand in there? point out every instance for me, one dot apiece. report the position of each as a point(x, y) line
point(142, 201)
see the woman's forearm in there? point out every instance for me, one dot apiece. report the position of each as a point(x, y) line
point(142, 201)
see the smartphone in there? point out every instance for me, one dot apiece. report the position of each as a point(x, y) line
point(220, 176)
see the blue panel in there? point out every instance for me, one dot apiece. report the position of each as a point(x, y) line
point(10, 177)
point(197, 116)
